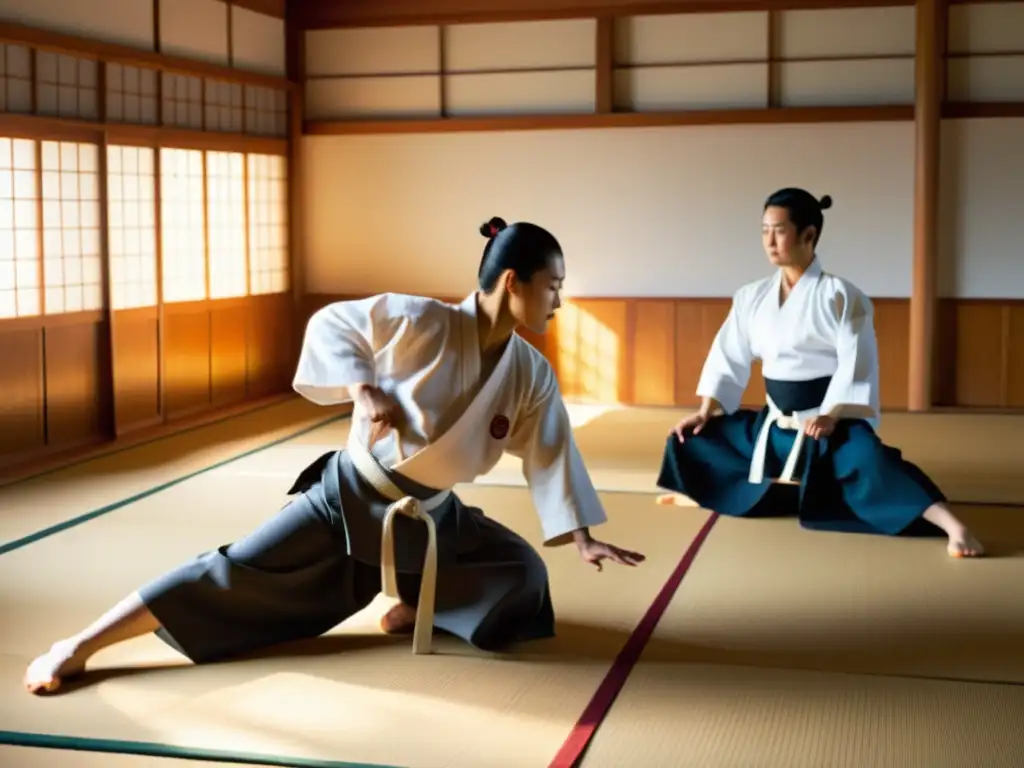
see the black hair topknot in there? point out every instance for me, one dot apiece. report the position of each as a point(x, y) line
point(803, 208)
point(492, 226)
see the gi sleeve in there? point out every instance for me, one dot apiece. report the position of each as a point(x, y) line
point(727, 367)
point(562, 491)
point(853, 391)
point(339, 346)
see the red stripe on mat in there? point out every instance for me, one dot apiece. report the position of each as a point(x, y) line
point(602, 700)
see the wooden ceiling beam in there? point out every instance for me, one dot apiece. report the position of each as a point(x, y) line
point(329, 14)
point(614, 120)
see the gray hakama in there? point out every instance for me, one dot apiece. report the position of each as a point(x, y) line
point(317, 562)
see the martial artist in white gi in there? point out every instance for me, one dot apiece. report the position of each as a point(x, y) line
point(814, 335)
point(441, 391)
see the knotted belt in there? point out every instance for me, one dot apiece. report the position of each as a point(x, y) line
point(403, 504)
point(792, 422)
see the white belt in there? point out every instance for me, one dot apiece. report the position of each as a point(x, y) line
point(793, 422)
point(367, 466)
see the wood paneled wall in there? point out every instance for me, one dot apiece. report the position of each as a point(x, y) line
point(642, 351)
point(214, 354)
point(981, 365)
point(78, 379)
point(55, 387)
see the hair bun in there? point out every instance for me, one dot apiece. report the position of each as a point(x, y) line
point(492, 226)
point(825, 203)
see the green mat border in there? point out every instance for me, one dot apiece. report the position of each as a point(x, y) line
point(31, 538)
point(154, 749)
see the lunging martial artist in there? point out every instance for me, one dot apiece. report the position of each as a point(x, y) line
point(814, 335)
point(441, 391)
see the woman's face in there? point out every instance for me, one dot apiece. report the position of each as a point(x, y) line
point(534, 304)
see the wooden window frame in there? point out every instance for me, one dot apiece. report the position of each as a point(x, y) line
point(103, 133)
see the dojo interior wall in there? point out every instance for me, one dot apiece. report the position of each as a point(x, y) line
point(150, 284)
point(661, 224)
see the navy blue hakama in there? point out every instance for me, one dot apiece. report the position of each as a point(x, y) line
point(849, 481)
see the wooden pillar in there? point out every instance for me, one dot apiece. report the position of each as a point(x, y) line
point(295, 60)
point(930, 21)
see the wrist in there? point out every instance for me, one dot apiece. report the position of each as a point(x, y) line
point(359, 389)
point(582, 537)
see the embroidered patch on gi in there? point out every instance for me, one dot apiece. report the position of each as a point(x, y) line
point(499, 427)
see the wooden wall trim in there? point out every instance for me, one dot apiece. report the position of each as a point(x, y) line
point(43, 127)
point(329, 14)
point(652, 350)
point(770, 116)
point(189, 138)
point(956, 109)
point(275, 8)
point(41, 322)
point(44, 39)
point(334, 14)
point(295, 63)
point(31, 466)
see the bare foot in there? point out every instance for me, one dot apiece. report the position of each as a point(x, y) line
point(671, 498)
point(963, 544)
point(400, 620)
point(61, 662)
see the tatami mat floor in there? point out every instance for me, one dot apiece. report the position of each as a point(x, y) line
point(48, 499)
point(781, 647)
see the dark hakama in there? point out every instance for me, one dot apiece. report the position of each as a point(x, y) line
point(850, 481)
point(317, 562)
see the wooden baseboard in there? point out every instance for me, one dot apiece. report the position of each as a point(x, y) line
point(40, 464)
point(649, 351)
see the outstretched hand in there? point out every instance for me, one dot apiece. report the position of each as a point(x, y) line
point(594, 552)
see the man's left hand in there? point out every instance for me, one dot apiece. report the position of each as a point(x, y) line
point(594, 552)
point(819, 426)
